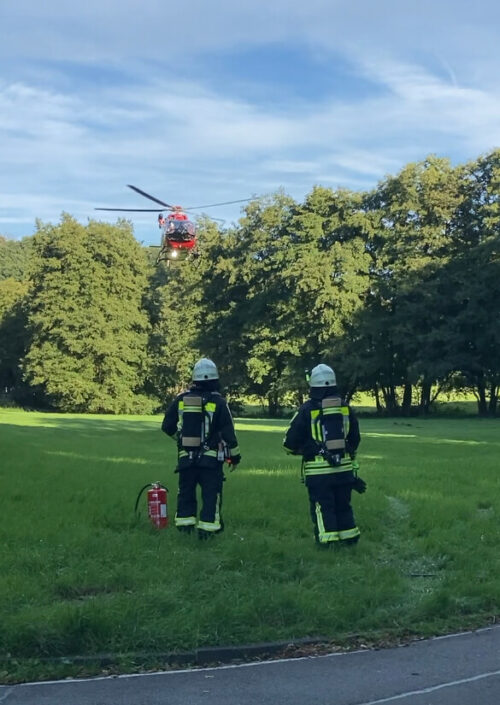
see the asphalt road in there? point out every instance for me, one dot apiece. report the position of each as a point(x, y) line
point(460, 669)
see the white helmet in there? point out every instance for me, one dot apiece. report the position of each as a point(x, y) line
point(322, 376)
point(204, 369)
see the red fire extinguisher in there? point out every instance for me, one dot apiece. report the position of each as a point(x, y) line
point(157, 504)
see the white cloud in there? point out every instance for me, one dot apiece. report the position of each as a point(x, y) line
point(196, 143)
point(427, 103)
point(118, 30)
point(290, 166)
point(67, 143)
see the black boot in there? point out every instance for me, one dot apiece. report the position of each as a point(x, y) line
point(186, 529)
point(204, 535)
point(349, 542)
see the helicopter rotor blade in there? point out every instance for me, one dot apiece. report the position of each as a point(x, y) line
point(207, 215)
point(133, 210)
point(151, 198)
point(225, 203)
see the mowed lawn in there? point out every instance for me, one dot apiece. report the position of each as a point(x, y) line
point(80, 575)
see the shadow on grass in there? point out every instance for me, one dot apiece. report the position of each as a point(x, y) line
point(264, 426)
point(262, 421)
point(95, 425)
point(104, 459)
point(75, 443)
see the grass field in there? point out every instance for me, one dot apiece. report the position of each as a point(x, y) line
point(80, 575)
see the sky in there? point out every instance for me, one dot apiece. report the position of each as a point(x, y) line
point(203, 102)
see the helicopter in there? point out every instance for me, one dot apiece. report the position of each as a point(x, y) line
point(178, 232)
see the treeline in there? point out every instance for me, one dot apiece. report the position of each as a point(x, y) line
point(398, 289)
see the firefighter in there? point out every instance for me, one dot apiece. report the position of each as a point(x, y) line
point(201, 423)
point(325, 432)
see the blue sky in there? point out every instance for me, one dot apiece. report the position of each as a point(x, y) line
point(199, 102)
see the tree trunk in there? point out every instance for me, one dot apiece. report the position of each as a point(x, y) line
point(425, 397)
point(407, 394)
point(482, 405)
point(391, 403)
point(273, 405)
point(493, 400)
point(376, 393)
point(348, 396)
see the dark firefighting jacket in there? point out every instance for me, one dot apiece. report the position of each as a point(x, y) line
point(218, 428)
point(305, 437)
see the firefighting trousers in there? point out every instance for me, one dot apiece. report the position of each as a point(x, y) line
point(331, 511)
point(210, 480)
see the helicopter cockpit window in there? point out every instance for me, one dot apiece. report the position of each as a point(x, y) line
point(180, 230)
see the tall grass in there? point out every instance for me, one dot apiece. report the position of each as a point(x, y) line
point(81, 575)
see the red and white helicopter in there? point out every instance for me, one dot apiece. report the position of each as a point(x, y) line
point(178, 233)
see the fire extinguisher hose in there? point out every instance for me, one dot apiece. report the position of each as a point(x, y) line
point(149, 484)
point(139, 497)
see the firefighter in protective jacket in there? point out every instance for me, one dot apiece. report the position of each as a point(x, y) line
point(201, 423)
point(325, 432)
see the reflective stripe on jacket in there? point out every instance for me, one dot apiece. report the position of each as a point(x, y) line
point(218, 424)
point(306, 429)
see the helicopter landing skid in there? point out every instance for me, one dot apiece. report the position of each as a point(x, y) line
point(163, 256)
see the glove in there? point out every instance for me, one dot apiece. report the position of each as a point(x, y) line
point(355, 466)
point(233, 461)
point(359, 485)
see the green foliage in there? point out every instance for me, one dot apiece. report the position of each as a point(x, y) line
point(398, 289)
point(433, 307)
point(88, 332)
point(12, 332)
point(174, 314)
point(385, 286)
point(14, 258)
